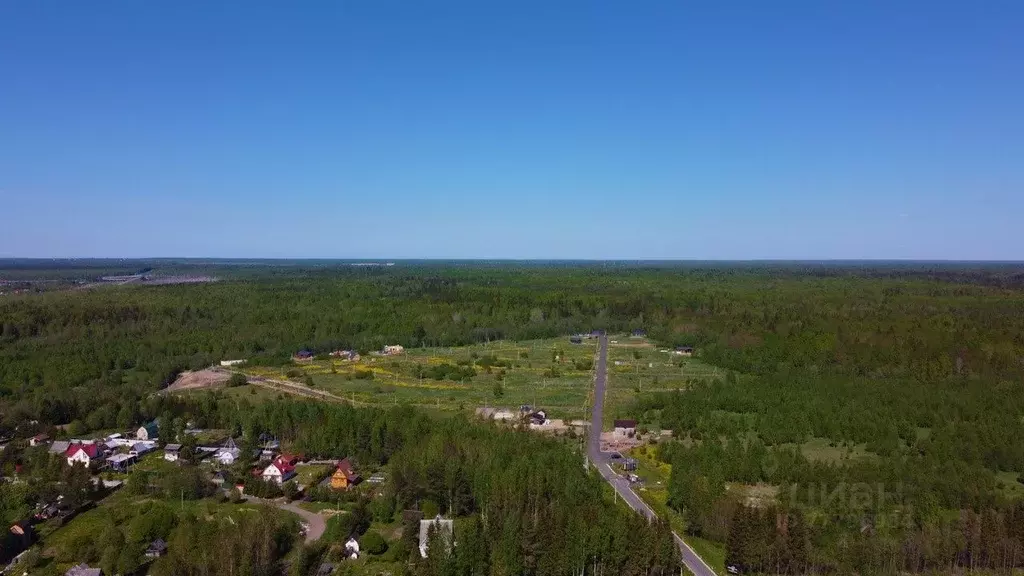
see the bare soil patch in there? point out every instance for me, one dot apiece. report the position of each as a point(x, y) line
point(199, 379)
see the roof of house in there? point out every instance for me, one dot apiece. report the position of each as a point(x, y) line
point(118, 458)
point(83, 570)
point(91, 450)
point(22, 527)
point(345, 467)
point(172, 447)
point(59, 446)
point(283, 468)
point(325, 569)
point(41, 437)
point(625, 423)
point(157, 545)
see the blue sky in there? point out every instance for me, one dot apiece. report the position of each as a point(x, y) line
point(790, 129)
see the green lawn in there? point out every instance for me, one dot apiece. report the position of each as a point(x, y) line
point(636, 365)
point(308, 472)
point(1009, 485)
point(821, 450)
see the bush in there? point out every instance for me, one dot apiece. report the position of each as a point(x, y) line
point(237, 380)
point(429, 509)
point(290, 490)
point(373, 543)
point(362, 374)
point(261, 488)
point(339, 528)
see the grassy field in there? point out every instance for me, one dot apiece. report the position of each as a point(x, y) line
point(306, 473)
point(637, 365)
point(552, 374)
point(1009, 485)
point(822, 450)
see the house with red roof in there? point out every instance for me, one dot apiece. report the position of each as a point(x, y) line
point(279, 471)
point(83, 454)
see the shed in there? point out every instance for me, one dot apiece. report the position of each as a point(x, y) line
point(156, 549)
point(147, 431)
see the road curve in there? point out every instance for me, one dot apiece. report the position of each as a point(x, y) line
point(317, 523)
point(601, 461)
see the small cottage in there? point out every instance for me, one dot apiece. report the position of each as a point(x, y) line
point(172, 452)
point(625, 428)
point(344, 476)
point(156, 549)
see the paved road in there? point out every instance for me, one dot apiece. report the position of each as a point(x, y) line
point(602, 462)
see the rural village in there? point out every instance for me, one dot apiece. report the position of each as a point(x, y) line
point(312, 487)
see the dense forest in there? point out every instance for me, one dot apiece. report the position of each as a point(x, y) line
point(920, 368)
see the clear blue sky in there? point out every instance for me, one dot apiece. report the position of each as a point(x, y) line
point(785, 129)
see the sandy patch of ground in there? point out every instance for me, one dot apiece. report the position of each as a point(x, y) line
point(612, 443)
point(200, 379)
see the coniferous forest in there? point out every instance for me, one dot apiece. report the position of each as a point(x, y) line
point(912, 373)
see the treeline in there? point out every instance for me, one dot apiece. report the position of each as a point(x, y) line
point(59, 351)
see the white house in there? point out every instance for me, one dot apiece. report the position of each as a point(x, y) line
point(82, 454)
point(393, 350)
point(278, 472)
point(625, 428)
point(227, 363)
point(171, 452)
point(228, 453)
point(351, 549)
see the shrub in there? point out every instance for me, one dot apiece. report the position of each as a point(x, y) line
point(373, 543)
point(237, 380)
point(429, 509)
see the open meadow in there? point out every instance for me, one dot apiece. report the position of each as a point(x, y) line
point(552, 374)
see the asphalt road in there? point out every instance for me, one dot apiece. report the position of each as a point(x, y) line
point(602, 461)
